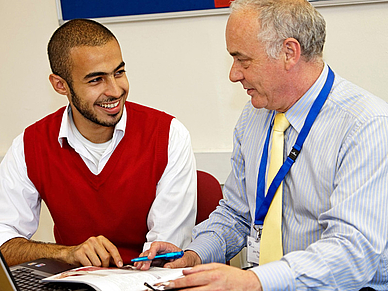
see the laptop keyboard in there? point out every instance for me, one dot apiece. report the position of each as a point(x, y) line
point(28, 281)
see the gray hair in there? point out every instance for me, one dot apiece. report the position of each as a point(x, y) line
point(282, 19)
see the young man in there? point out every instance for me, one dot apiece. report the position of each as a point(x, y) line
point(334, 199)
point(115, 175)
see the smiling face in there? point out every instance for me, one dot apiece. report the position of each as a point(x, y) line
point(99, 86)
point(261, 76)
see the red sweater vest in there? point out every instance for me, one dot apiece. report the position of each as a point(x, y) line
point(114, 203)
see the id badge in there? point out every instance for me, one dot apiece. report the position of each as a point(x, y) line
point(253, 250)
point(253, 246)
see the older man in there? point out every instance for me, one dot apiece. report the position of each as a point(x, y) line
point(334, 227)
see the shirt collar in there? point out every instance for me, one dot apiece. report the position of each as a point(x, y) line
point(297, 114)
point(66, 133)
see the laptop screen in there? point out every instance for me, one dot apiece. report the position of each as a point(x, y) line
point(6, 280)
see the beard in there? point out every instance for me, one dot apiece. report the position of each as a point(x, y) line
point(86, 112)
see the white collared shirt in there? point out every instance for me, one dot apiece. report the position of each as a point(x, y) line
point(20, 201)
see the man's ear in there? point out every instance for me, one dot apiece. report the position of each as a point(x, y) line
point(292, 52)
point(59, 84)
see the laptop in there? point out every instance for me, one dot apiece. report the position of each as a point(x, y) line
point(27, 276)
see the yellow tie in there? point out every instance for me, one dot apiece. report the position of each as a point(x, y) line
point(271, 247)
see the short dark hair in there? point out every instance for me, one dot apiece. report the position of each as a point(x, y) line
point(74, 33)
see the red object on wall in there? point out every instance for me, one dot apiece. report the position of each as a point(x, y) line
point(221, 3)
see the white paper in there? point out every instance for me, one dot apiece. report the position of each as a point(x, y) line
point(116, 279)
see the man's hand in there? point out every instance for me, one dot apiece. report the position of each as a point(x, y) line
point(189, 259)
point(217, 277)
point(96, 251)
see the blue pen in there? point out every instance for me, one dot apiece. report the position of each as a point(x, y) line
point(167, 256)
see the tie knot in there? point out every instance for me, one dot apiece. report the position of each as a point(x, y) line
point(281, 123)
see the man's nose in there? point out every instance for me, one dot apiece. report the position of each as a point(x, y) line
point(113, 88)
point(235, 75)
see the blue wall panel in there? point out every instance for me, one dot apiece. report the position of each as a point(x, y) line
point(103, 8)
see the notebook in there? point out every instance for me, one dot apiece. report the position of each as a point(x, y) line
point(27, 276)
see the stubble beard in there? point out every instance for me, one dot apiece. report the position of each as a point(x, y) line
point(83, 108)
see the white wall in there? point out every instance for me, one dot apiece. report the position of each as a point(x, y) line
point(177, 65)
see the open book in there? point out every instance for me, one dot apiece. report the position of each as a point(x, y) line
point(116, 279)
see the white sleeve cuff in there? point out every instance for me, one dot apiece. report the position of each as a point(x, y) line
point(275, 276)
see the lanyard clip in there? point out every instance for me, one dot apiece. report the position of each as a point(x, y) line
point(259, 230)
point(294, 154)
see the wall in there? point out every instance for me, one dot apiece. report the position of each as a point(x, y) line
point(177, 65)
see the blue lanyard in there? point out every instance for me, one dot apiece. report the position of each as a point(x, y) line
point(263, 202)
